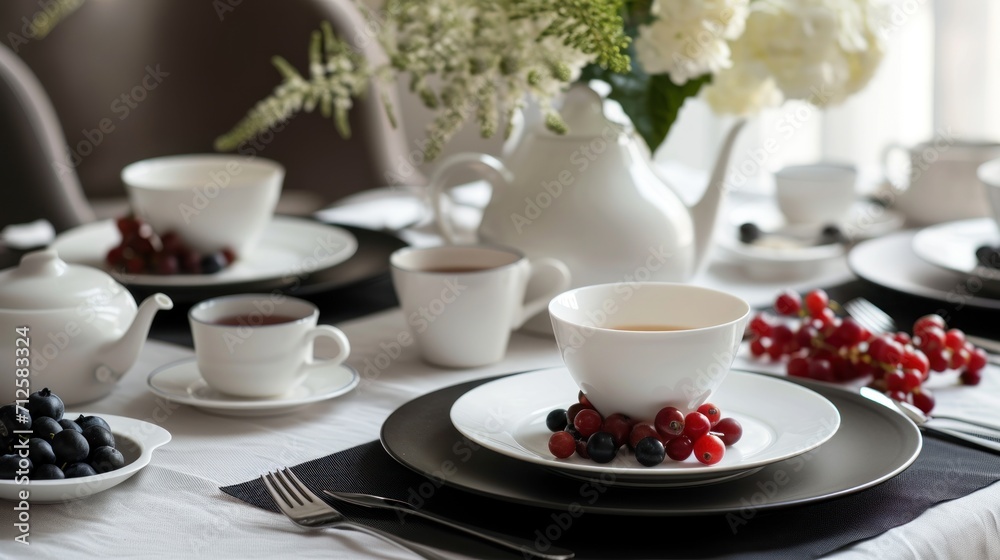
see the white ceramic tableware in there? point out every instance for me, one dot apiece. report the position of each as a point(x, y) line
point(290, 249)
point(213, 201)
point(71, 328)
point(613, 340)
point(462, 302)
point(939, 179)
point(816, 193)
point(135, 439)
point(989, 175)
point(260, 345)
point(779, 419)
point(182, 383)
point(952, 246)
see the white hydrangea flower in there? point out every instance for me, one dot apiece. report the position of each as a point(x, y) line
point(821, 51)
point(742, 90)
point(689, 38)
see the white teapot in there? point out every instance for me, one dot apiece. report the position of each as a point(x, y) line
point(590, 198)
point(71, 328)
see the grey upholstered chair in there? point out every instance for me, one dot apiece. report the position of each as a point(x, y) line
point(133, 79)
point(37, 179)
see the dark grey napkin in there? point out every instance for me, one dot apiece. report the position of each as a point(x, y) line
point(942, 472)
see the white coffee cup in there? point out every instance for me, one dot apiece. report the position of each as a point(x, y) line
point(259, 345)
point(816, 193)
point(622, 369)
point(462, 302)
point(212, 201)
point(936, 181)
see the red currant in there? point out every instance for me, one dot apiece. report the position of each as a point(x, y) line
point(816, 302)
point(696, 425)
point(729, 430)
point(640, 431)
point(619, 426)
point(923, 400)
point(954, 339)
point(977, 360)
point(788, 302)
point(679, 448)
point(712, 412)
point(761, 324)
point(669, 422)
point(562, 444)
point(709, 449)
point(582, 399)
point(588, 421)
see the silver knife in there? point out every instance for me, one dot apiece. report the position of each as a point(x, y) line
point(526, 548)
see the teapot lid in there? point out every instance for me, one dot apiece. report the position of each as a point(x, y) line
point(586, 112)
point(43, 281)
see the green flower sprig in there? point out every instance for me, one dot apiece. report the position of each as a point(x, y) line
point(463, 58)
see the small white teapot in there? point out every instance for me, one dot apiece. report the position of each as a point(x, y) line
point(592, 199)
point(71, 328)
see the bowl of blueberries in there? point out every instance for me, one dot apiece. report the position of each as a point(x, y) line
point(51, 455)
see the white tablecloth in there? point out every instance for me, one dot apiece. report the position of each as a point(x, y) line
point(173, 508)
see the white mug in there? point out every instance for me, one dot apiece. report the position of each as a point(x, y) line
point(259, 345)
point(462, 302)
point(816, 193)
point(939, 182)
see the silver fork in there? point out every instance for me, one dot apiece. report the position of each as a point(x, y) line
point(307, 510)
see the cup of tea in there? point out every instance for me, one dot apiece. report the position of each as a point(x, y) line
point(634, 348)
point(462, 302)
point(260, 345)
point(212, 201)
point(816, 193)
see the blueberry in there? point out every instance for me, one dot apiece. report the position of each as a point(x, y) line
point(78, 470)
point(832, 234)
point(47, 472)
point(68, 424)
point(212, 263)
point(649, 451)
point(14, 418)
point(70, 447)
point(10, 464)
point(41, 452)
point(45, 428)
point(749, 232)
point(601, 447)
point(988, 256)
point(107, 459)
point(45, 403)
point(84, 421)
point(98, 436)
point(556, 420)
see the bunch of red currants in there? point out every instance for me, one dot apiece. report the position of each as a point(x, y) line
point(142, 251)
point(819, 344)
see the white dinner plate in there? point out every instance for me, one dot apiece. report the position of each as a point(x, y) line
point(890, 262)
point(952, 246)
point(289, 248)
point(780, 420)
point(182, 383)
point(135, 439)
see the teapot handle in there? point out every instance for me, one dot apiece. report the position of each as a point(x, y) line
point(439, 189)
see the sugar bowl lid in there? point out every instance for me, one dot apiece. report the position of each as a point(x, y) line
point(42, 281)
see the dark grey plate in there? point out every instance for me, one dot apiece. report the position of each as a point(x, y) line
point(872, 445)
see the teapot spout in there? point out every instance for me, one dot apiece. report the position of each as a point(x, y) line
point(120, 355)
point(705, 213)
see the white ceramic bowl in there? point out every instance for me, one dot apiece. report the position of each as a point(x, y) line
point(816, 193)
point(212, 201)
point(639, 372)
point(135, 439)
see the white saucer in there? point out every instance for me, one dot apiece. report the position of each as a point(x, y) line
point(786, 251)
point(289, 248)
point(780, 420)
point(890, 262)
point(181, 382)
point(952, 246)
point(135, 439)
